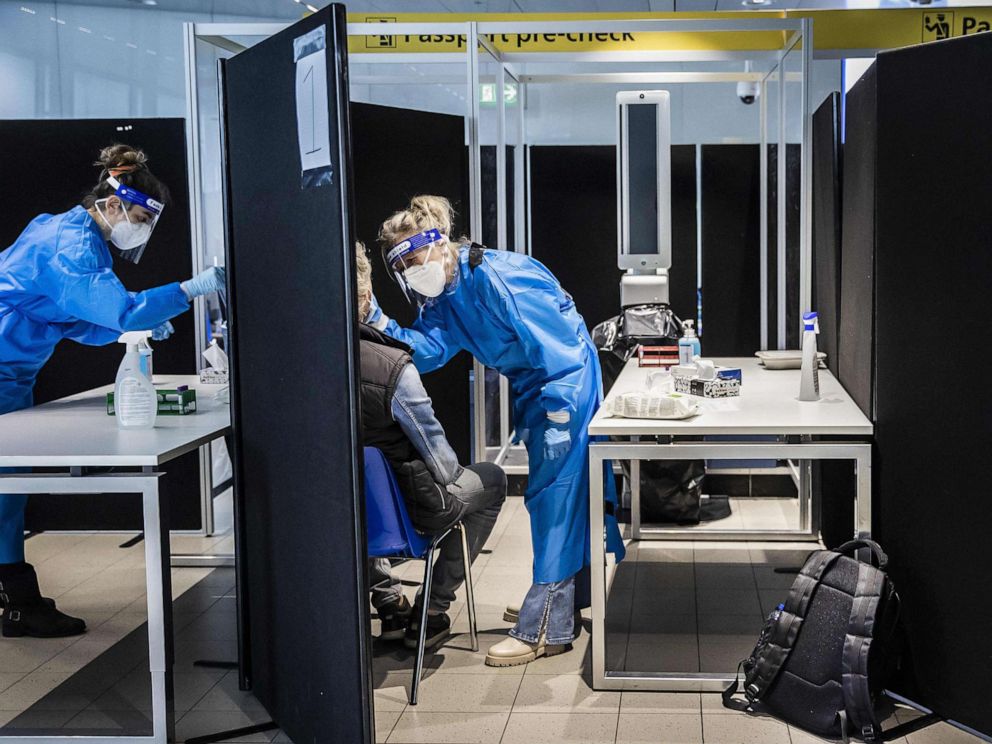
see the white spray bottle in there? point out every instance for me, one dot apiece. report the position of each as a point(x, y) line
point(809, 387)
point(135, 401)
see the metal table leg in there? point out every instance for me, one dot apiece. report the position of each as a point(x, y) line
point(160, 637)
point(159, 592)
point(597, 553)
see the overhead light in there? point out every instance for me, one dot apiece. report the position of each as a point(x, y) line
point(149, 2)
point(755, 3)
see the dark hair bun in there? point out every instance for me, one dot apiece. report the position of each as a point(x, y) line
point(121, 156)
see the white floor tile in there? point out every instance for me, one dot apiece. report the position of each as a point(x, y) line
point(540, 693)
point(743, 729)
point(671, 703)
point(561, 728)
point(421, 727)
point(652, 728)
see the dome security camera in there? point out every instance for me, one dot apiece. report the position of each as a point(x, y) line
point(748, 92)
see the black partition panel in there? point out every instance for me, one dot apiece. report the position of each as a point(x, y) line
point(827, 224)
point(390, 146)
point(574, 225)
point(793, 204)
point(731, 280)
point(298, 476)
point(932, 267)
point(47, 166)
point(856, 364)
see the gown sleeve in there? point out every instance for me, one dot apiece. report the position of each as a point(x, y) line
point(432, 344)
point(93, 294)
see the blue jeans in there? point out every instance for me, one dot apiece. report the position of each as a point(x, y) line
point(549, 608)
point(552, 608)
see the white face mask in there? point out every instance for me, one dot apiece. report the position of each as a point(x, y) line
point(127, 235)
point(427, 279)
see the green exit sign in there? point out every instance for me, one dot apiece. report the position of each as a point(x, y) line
point(487, 94)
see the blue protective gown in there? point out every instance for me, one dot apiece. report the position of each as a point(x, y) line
point(56, 282)
point(512, 314)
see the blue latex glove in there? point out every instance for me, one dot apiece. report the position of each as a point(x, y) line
point(207, 281)
point(557, 441)
point(376, 318)
point(163, 331)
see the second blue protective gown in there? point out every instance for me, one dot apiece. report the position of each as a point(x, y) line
point(512, 314)
point(56, 282)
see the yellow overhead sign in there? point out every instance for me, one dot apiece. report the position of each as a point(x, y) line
point(834, 31)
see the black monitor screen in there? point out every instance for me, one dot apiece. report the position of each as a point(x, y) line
point(642, 185)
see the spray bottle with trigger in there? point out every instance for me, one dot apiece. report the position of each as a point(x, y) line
point(135, 400)
point(809, 387)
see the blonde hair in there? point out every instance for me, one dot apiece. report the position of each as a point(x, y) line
point(364, 267)
point(425, 212)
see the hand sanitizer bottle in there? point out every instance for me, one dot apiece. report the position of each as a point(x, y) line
point(135, 401)
point(689, 344)
point(809, 387)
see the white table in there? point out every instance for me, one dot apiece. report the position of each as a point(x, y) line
point(76, 432)
point(768, 405)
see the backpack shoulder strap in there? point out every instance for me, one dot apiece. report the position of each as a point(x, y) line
point(786, 631)
point(857, 694)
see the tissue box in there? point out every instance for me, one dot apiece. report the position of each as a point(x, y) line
point(718, 388)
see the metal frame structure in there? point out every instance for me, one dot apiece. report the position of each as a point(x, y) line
point(523, 69)
point(602, 572)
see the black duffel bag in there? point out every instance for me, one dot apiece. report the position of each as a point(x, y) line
point(824, 656)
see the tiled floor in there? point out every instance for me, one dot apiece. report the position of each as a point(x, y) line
point(683, 606)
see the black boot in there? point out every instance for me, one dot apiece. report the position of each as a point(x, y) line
point(27, 613)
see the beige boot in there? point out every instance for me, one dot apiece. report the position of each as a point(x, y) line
point(514, 652)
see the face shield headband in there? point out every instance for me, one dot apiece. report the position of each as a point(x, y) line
point(130, 236)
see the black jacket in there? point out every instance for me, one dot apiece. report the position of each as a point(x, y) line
point(383, 358)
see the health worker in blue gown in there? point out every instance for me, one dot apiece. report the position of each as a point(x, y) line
point(57, 282)
point(511, 313)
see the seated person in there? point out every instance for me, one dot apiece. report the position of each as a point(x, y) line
point(397, 417)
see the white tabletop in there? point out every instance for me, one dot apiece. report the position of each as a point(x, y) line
point(768, 404)
point(76, 431)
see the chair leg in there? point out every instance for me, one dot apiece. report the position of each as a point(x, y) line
point(469, 588)
point(418, 667)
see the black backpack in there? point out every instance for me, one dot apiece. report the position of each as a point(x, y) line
point(824, 656)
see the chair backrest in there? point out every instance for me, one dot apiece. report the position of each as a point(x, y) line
point(390, 531)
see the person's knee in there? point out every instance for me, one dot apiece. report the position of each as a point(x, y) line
point(492, 476)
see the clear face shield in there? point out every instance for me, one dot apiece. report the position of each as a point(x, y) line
point(140, 215)
point(420, 265)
